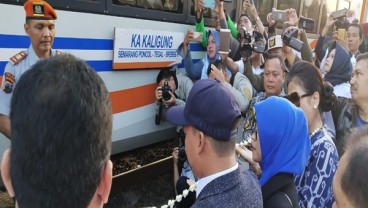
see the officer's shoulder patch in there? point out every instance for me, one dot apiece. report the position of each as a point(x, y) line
point(18, 57)
point(57, 52)
point(9, 82)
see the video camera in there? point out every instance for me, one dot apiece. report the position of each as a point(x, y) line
point(182, 155)
point(253, 41)
point(339, 13)
point(342, 24)
point(290, 39)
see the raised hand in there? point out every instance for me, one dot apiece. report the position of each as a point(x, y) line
point(292, 17)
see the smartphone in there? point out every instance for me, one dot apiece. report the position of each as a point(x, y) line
point(224, 41)
point(197, 37)
point(209, 4)
point(339, 13)
point(306, 23)
point(341, 33)
point(279, 15)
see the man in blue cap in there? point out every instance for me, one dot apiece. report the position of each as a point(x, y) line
point(210, 119)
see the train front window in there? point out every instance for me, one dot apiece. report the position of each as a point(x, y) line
point(327, 8)
point(230, 8)
point(311, 10)
point(287, 4)
point(161, 5)
point(263, 8)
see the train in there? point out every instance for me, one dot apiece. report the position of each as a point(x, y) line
point(103, 33)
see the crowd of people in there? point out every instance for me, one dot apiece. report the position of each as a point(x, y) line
point(297, 109)
point(272, 128)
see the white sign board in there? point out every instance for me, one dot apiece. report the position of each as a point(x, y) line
point(135, 49)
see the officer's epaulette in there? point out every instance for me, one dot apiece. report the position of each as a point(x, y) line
point(18, 57)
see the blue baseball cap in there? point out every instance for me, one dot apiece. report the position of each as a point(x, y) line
point(210, 108)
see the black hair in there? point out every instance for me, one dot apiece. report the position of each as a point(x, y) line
point(361, 57)
point(354, 179)
point(310, 79)
point(361, 32)
point(218, 63)
point(245, 15)
point(282, 62)
point(166, 74)
point(61, 124)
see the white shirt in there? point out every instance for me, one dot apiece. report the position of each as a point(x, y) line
point(353, 61)
point(240, 64)
point(16, 70)
point(206, 180)
point(257, 70)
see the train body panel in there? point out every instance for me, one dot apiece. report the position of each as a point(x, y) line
point(91, 37)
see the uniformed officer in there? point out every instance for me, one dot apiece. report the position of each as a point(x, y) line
point(40, 27)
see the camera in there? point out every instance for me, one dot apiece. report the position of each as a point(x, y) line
point(253, 41)
point(182, 155)
point(166, 91)
point(165, 96)
point(339, 13)
point(342, 24)
point(290, 39)
point(279, 15)
point(306, 23)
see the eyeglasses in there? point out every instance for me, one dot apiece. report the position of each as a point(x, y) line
point(295, 97)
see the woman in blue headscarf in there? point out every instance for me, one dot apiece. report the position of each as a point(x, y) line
point(198, 70)
point(338, 69)
point(282, 146)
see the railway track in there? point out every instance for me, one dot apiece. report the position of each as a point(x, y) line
point(152, 170)
point(141, 164)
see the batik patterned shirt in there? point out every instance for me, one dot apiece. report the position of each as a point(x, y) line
point(314, 186)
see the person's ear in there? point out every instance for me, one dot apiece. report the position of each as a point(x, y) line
point(104, 187)
point(201, 141)
point(316, 100)
point(5, 172)
point(26, 28)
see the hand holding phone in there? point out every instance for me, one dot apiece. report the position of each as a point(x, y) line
point(279, 15)
point(197, 36)
point(339, 13)
point(224, 41)
point(306, 23)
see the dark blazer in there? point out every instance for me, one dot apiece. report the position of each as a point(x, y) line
point(280, 192)
point(235, 189)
